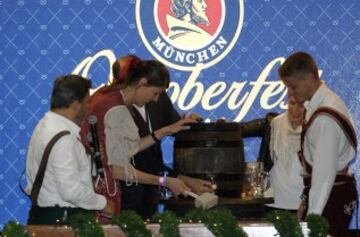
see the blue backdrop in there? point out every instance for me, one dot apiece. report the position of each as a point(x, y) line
point(42, 39)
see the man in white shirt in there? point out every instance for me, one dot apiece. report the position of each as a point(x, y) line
point(67, 186)
point(327, 145)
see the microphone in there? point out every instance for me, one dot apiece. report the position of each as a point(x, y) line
point(93, 167)
point(94, 140)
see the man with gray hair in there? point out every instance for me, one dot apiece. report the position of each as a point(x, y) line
point(58, 169)
point(183, 28)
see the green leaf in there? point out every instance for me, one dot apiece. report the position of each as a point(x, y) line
point(85, 225)
point(318, 225)
point(132, 224)
point(169, 224)
point(14, 229)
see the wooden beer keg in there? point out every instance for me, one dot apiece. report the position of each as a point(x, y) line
point(212, 151)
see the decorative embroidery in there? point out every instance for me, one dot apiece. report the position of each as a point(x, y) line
point(349, 208)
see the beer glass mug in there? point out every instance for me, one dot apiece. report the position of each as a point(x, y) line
point(256, 178)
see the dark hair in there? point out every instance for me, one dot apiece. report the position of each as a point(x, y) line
point(68, 89)
point(116, 69)
point(121, 67)
point(154, 71)
point(298, 63)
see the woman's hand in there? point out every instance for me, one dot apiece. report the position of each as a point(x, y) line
point(176, 127)
point(177, 186)
point(198, 186)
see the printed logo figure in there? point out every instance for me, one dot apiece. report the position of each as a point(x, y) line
point(189, 34)
point(184, 31)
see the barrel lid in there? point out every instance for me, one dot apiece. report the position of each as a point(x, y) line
point(214, 127)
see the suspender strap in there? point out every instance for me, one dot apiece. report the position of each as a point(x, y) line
point(340, 119)
point(41, 171)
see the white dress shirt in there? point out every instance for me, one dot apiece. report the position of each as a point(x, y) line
point(67, 181)
point(285, 179)
point(326, 147)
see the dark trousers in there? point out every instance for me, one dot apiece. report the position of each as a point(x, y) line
point(340, 205)
point(53, 215)
point(269, 209)
point(140, 198)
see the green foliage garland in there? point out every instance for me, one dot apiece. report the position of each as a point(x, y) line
point(85, 225)
point(285, 223)
point(318, 225)
point(14, 229)
point(169, 224)
point(132, 224)
point(219, 221)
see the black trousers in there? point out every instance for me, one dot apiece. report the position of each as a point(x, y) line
point(340, 204)
point(140, 198)
point(269, 209)
point(53, 215)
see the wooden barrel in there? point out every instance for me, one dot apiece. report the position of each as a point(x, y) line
point(212, 151)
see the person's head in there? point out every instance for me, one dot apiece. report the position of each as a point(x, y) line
point(300, 74)
point(295, 111)
point(70, 93)
point(121, 67)
point(149, 78)
point(195, 9)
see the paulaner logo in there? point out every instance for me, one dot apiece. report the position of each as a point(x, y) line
point(193, 35)
point(188, 34)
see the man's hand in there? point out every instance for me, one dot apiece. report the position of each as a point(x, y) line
point(198, 186)
point(177, 186)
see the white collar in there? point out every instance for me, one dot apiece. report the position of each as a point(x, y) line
point(73, 127)
point(316, 99)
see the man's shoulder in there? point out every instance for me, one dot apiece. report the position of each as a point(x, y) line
point(51, 123)
point(327, 97)
point(333, 101)
point(47, 129)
